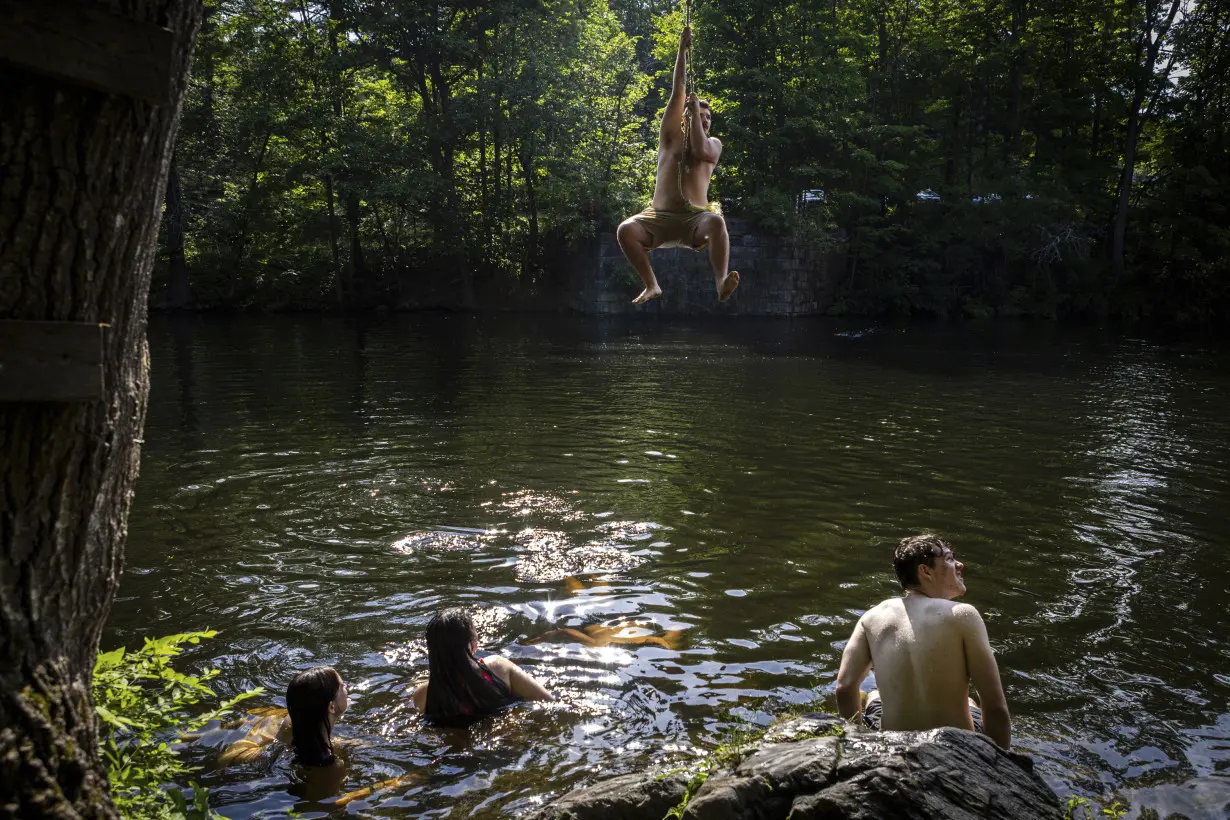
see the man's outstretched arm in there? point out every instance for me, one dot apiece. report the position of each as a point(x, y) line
point(855, 664)
point(984, 674)
point(674, 106)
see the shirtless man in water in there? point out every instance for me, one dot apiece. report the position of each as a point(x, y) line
point(679, 215)
point(926, 649)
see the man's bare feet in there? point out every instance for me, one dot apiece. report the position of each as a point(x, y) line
point(727, 285)
point(647, 294)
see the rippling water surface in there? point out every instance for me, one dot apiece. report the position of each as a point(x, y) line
point(316, 488)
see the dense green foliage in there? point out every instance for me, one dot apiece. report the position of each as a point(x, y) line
point(144, 707)
point(1043, 157)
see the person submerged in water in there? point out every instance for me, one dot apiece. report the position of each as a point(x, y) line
point(461, 688)
point(315, 700)
point(926, 649)
point(680, 214)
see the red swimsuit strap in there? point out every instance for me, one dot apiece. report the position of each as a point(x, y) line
point(487, 675)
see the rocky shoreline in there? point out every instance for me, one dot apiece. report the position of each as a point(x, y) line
point(812, 768)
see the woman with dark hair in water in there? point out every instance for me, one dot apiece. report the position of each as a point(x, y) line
point(461, 688)
point(315, 700)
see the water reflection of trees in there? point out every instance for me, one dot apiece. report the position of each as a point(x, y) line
point(1142, 597)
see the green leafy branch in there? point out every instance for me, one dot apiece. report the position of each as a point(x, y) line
point(1080, 808)
point(144, 707)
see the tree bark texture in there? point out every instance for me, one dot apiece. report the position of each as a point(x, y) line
point(81, 187)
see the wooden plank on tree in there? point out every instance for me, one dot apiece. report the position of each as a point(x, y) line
point(50, 361)
point(87, 45)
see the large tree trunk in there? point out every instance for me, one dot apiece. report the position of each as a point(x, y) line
point(179, 288)
point(81, 186)
point(1123, 199)
point(1151, 44)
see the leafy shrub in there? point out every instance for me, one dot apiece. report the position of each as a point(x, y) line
point(739, 739)
point(145, 707)
point(1079, 808)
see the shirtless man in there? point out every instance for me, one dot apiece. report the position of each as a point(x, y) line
point(926, 649)
point(679, 215)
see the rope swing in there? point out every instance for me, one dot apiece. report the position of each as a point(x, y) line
point(690, 72)
point(689, 88)
point(689, 83)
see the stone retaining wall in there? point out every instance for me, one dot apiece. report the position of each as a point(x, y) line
point(779, 277)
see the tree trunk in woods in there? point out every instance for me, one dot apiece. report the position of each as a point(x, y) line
point(241, 240)
point(358, 266)
point(179, 289)
point(482, 153)
point(1151, 45)
point(495, 208)
point(1123, 201)
point(81, 186)
point(531, 201)
point(1096, 131)
point(1020, 24)
point(333, 245)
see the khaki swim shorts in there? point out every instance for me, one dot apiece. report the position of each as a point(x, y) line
point(672, 229)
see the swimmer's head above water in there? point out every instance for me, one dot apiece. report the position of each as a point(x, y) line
point(315, 700)
point(451, 638)
point(460, 688)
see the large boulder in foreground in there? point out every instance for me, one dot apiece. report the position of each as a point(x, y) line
point(802, 770)
point(620, 798)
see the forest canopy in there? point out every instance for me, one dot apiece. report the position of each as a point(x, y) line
point(949, 158)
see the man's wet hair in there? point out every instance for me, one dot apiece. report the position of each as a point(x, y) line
point(703, 103)
point(914, 551)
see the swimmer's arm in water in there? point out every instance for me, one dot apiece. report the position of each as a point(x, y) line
point(577, 635)
point(522, 683)
point(597, 635)
point(855, 664)
point(670, 639)
point(270, 726)
point(984, 674)
point(359, 794)
point(418, 697)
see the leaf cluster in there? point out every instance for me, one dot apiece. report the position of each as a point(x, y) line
point(1081, 808)
point(146, 708)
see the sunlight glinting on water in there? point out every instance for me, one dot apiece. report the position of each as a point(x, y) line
point(675, 528)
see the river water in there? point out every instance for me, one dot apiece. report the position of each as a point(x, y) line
point(316, 488)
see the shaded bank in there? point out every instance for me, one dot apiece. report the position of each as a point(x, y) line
point(782, 276)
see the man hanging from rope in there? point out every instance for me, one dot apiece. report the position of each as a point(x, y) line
point(680, 215)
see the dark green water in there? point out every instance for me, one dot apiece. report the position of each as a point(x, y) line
point(317, 488)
